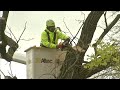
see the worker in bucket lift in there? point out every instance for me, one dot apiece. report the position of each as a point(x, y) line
point(50, 36)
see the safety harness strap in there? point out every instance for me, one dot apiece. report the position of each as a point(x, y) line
point(54, 38)
point(48, 35)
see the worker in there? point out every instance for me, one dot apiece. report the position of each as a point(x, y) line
point(50, 36)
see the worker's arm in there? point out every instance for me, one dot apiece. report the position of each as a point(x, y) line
point(44, 40)
point(61, 35)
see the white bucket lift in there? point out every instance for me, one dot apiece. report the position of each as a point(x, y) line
point(43, 63)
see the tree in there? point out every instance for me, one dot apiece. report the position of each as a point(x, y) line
point(73, 67)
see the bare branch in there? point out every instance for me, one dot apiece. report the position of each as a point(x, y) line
point(80, 21)
point(112, 14)
point(106, 31)
point(67, 28)
point(100, 27)
point(12, 33)
point(105, 19)
point(27, 39)
point(84, 16)
point(22, 33)
point(10, 69)
point(9, 34)
point(2, 72)
point(77, 32)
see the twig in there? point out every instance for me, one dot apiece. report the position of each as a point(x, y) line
point(22, 32)
point(27, 39)
point(100, 27)
point(79, 21)
point(105, 19)
point(10, 69)
point(2, 72)
point(77, 33)
point(12, 33)
point(83, 14)
point(112, 14)
point(67, 27)
point(9, 33)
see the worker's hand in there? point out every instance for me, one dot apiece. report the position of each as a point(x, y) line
point(60, 45)
point(59, 29)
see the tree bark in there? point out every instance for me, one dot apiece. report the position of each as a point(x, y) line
point(6, 40)
point(2, 36)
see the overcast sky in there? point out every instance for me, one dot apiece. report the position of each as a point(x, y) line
point(36, 23)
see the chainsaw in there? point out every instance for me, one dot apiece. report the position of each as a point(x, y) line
point(65, 43)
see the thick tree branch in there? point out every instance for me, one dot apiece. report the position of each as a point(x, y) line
point(106, 31)
point(5, 15)
point(13, 46)
point(6, 40)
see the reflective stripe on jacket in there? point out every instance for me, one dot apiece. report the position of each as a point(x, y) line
point(46, 43)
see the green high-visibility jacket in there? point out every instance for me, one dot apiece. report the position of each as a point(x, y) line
point(46, 43)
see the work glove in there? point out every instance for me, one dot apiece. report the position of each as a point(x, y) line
point(60, 45)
